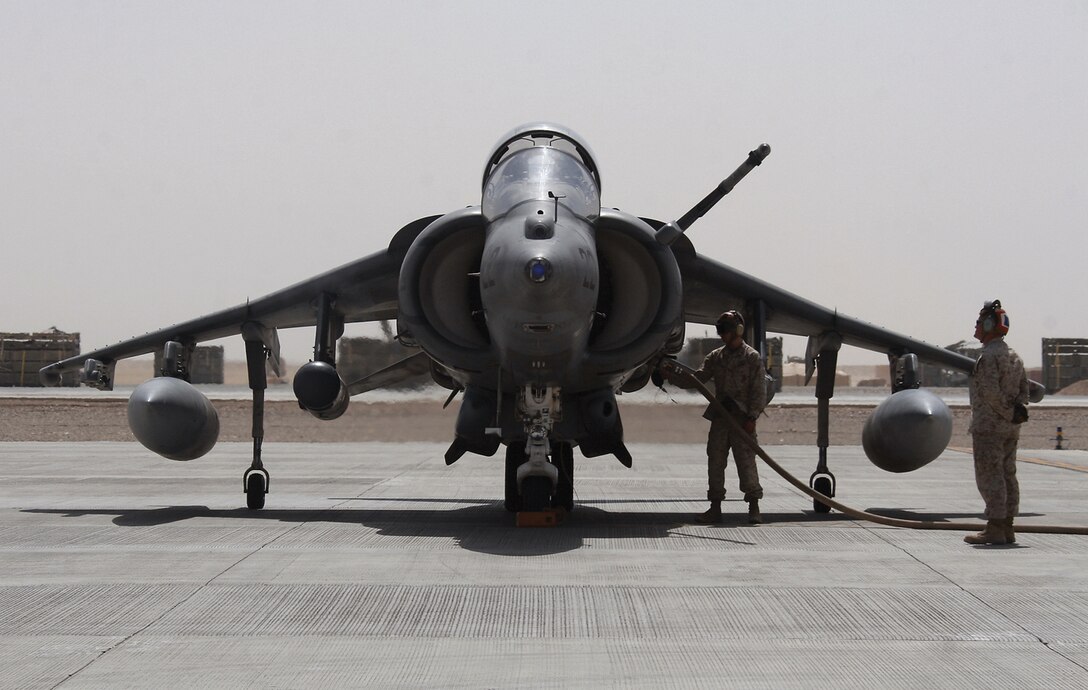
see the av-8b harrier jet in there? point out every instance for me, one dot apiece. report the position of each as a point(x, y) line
point(539, 306)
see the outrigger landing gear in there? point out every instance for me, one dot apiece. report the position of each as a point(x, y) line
point(827, 346)
point(255, 480)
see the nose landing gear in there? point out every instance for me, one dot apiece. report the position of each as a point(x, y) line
point(539, 475)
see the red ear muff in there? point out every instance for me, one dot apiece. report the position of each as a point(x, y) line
point(994, 320)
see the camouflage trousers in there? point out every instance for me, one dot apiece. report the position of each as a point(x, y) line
point(995, 473)
point(718, 445)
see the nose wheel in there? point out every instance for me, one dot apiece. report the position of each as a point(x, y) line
point(536, 494)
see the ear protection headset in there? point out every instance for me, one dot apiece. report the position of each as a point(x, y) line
point(730, 321)
point(993, 319)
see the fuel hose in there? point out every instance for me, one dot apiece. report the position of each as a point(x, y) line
point(688, 375)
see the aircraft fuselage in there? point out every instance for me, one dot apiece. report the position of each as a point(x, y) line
point(539, 288)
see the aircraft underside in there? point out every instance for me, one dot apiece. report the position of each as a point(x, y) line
point(540, 426)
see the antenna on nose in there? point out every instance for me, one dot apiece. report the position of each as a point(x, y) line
point(552, 195)
point(670, 232)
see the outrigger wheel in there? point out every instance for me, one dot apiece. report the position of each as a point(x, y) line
point(255, 483)
point(824, 483)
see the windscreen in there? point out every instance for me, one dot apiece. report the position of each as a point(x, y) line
point(530, 174)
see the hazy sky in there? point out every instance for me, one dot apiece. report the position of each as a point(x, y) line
point(161, 160)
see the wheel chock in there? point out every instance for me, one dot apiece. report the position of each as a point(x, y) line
point(539, 518)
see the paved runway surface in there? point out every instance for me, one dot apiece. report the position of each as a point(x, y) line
point(376, 565)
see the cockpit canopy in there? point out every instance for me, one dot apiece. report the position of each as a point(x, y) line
point(540, 162)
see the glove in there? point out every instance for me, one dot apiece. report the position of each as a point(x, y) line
point(663, 372)
point(749, 426)
point(657, 376)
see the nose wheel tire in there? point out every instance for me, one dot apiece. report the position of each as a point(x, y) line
point(536, 494)
point(515, 455)
point(563, 458)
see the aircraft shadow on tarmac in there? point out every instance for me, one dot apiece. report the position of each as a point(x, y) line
point(483, 525)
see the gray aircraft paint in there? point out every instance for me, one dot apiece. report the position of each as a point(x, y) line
point(539, 304)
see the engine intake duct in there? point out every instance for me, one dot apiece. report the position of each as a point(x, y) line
point(320, 390)
point(639, 297)
point(438, 291)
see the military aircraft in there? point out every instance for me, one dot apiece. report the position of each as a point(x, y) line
point(539, 306)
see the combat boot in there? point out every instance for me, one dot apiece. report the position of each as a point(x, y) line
point(712, 516)
point(1010, 536)
point(754, 518)
point(993, 534)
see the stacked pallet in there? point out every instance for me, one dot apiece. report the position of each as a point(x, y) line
point(205, 365)
point(1065, 362)
point(358, 357)
point(23, 354)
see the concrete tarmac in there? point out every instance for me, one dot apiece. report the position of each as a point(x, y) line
point(375, 565)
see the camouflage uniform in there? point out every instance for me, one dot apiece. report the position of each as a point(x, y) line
point(997, 383)
point(739, 377)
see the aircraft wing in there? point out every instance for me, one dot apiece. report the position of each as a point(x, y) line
point(365, 290)
point(711, 287)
